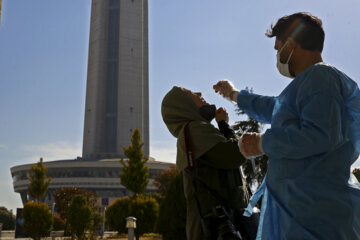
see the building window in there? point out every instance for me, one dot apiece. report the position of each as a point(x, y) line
point(114, 3)
point(112, 78)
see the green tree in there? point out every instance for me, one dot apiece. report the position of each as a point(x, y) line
point(164, 178)
point(116, 213)
point(64, 196)
point(98, 219)
point(356, 172)
point(80, 216)
point(135, 176)
point(254, 176)
point(37, 219)
point(144, 208)
point(157, 196)
point(7, 218)
point(172, 213)
point(38, 181)
point(59, 224)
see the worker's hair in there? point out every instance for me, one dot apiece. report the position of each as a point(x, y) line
point(303, 27)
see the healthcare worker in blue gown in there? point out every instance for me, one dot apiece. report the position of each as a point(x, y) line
point(309, 191)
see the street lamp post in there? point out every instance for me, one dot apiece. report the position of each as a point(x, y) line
point(130, 225)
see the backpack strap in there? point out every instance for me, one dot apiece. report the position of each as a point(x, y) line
point(189, 149)
point(192, 167)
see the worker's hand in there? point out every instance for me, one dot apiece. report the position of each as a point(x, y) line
point(221, 114)
point(250, 144)
point(226, 89)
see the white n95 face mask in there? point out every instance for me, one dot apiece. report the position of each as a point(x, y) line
point(283, 67)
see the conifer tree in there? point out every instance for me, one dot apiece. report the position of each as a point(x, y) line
point(135, 176)
point(39, 182)
point(80, 216)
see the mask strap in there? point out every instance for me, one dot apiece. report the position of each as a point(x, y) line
point(282, 48)
point(289, 56)
point(292, 51)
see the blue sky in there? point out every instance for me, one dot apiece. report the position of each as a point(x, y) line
point(192, 43)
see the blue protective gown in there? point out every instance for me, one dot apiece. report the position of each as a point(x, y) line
point(309, 192)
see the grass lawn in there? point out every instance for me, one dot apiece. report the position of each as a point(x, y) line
point(147, 236)
point(141, 238)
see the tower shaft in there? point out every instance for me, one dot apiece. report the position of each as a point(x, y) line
point(117, 92)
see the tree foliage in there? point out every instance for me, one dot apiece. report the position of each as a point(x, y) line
point(356, 172)
point(37, 219)
point(157, 196)
point(135, 176)
point(253, 176)
point(98, 222)
point(59, 224)
point(7, 218)
point(172, 214)
point(146, 211)
point(164, 178)
point(116, 213)
point(38, 181)
point(64, 196)
point(80, 216)
point(144, 208)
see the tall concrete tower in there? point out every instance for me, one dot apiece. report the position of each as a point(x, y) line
point(117, 92)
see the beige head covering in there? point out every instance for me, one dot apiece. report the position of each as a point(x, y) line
point(177, 110)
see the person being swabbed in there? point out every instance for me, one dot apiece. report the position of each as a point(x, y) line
point(209, 159)
point(309, 191)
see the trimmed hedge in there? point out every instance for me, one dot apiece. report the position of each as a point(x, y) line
point(144, 208)
point(7, 218)
point(37, 219)
point(59, 224)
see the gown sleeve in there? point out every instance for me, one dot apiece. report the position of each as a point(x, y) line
point(318, 127)
point(256, 106)
point(353, 107)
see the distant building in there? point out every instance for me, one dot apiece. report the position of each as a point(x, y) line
point(117, 102)
point(102, 177)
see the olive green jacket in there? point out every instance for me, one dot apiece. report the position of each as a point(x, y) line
point(218, 160)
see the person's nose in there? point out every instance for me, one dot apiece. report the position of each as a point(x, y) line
point(278, 45)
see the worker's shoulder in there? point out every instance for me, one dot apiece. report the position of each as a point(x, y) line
point(321, 72)
point(328, 80)
point(326, 75)
point(320, 77)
